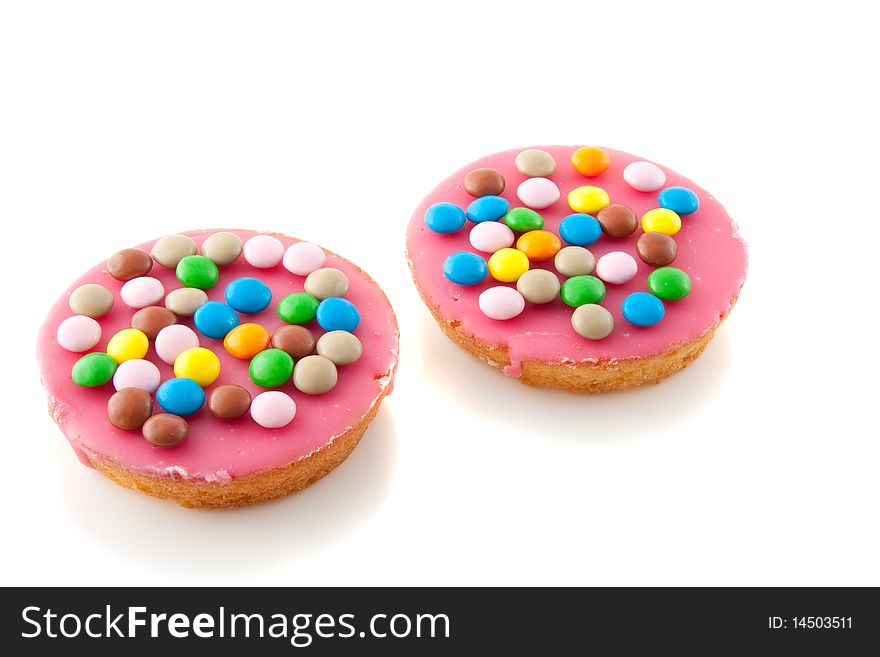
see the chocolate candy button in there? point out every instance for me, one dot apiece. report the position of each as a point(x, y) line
point(152, 319)
point(197, 271)
point(297, 341)
point(592, 321)
point(185, 301)
point(314, 375)
point(171, 249)
point(574, 261)
point(617, 220)
point(271, 368)
point(669, 283)
point(326, 282)
point(538, 286)
point(165, 430)
point(129, 408)
point(534, 162)
point(93, 370)
point(342, 347)
point(228, 402)
point(580, 290)
point(129, 263)
point(91, 300)
point(223, 247)
point(484, 182)
point(656, 249)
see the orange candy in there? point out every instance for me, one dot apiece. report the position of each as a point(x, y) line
point(246, 341)
point(539, 245)
point(590, 160)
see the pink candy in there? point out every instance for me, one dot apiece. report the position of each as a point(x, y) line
point(501, 302)
point(538, 193)
point(263, 251)
point(137, 373)
point(303, 258)
point(273, 409)
point(142, 291)
point(616, 267)
point(489, 236)
point(644, 176)
point(174, 340)
point(78, 333)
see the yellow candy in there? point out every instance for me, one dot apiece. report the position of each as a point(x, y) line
point(588, 199)
point(661, 220)
point(128, 344)
point(199, 364)
point(507, 265)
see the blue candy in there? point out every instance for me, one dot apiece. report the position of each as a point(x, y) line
point(680, 200)
point(444, 217)
point(215, 319)
point(643, 309)
point(580, 229)
point(248, 295)
point(465, 268)
point(180, 396)
point(487, 208)
point(337, 314)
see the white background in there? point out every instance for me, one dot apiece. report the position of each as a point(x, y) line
point(123, 121)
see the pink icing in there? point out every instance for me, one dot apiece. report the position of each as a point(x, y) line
point(218, 450)
point(710, 250)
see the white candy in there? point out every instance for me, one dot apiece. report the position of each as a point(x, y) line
point(644, 176)
point(174, 340)
point(142, 291)
point(273, 409)
point(137, 373)
point(263, 251)
point(616, 267)
point(538, 193)
point(78, 333)
point(303, 258)
point(489, 236)
point(501, 302)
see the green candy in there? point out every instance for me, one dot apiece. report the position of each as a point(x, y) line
point(271, 368)
point(669, 283)
point(580, 290)
point(297, 308)
point(523, 220)
point(93, 370)
point(198, 272)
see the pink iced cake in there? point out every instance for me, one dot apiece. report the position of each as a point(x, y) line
point(218, 368)
point(582, 268)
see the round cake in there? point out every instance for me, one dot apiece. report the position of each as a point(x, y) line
point(218, 368)
point(576, 267)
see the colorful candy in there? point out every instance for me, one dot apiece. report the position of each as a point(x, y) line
point(297, 308)
point(165, 430)
point(661, 220)
point(223, 247)
point(297, 341)
point(171, 249)
point(534, 162)
point(644, 176)
point(490, 236)
point(199, 364)
point(487, 208)
point(669, 283)
point(656, 249)
point(315, 375)
point(78, 333)
point(326, 282)
point(580, 229)
point(680, 200)
point(263, 251)
point(590, 160)
point(523, 220)
point(617, 220)
point(127, 344)
point(539, 245)
point(341, 347)
point(248, 295)
point(229, 401)
point(215, 319)
point(129, 408)
point(588, 199)
point(579, 290)
point(152, 319)
point(484, 182)
point(91, 300)
point(507, 265)
point(617, 267)
point(181, 396)
point(198, 272)
point(302, 258)
point(501, 302)
point(93, 370)
point(538, 286)
point(129, 263)
point(444, 218)
point(642, 309)
point(174, 340)
point(271, 368)
point(246, 340)
point(337, 314)
point(273, 409)
point(592, 321)
point(465, 268)
point(137, 373)
point(538, 193)
point(574, 261)
point(185, 301)
point(142, 291)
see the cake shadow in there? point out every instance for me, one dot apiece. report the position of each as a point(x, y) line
point(204, 545)
point(549, 413)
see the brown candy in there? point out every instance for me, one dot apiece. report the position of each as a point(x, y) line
point(165, 430)
point(484, 182)
point(129, 408)
point(129, 263)
point(656, 249)
point(617, 220)
point(229, 401)
point(297, 341)
point(152, 319)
